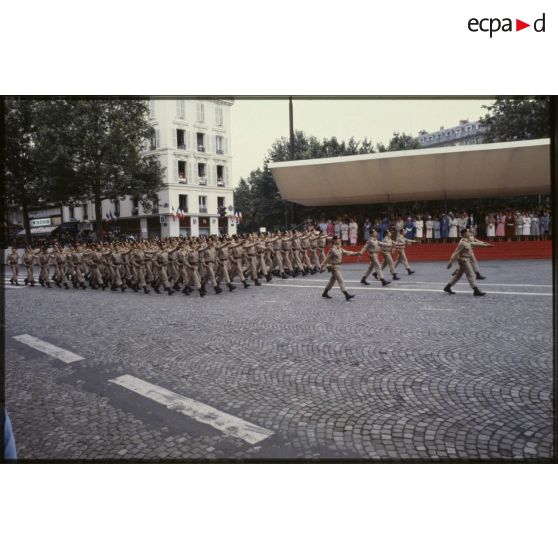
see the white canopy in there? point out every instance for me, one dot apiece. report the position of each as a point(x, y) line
point(457, 172)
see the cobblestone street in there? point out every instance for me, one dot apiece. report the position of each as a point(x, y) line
point(402, 372)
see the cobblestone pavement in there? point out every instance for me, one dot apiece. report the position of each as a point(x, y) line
point(401, 372)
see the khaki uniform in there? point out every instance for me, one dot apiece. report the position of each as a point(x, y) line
point(223, 255)
point(334, 259)
point(387, 246)
point(462, 255)
point(372, 248)
point(44, 262)
point(13, 261)
point(400, 243)
point(210, 257)
point(28, 261)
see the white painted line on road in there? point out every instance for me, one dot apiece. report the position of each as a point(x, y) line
point(371, 279)
point(200, 412)
point(387, 289)
point(48, 348)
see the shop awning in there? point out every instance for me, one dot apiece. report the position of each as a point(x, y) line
point(457, 172)
point(39, 231)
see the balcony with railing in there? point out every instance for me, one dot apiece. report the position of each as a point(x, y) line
point(220, 182)
point(182, 177)
point(202, 181)
point(201, 148)
point(220, 151)
point(203, 209)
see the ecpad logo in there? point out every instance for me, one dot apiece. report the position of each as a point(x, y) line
point(493, 25)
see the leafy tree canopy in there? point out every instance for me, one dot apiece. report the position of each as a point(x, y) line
point(517, 118)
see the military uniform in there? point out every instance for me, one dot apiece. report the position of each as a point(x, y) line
point(13, 261)
point(462, 255)
point(333, 261)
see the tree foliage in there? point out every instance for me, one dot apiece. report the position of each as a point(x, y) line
point(68, 150)
point(517, 118)
point(258, 197)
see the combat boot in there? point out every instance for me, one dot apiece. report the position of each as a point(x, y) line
point(202, 293)
point(375, 274)
point(384, 282)
point(325, 294)
point(185, 290)
point(156, 289)
point(170, 291)
point(146, 290)
point(25, 281)
point(268, 277)
point(103, 286)
point(48, 284)
point(245, 283)
point(410, 271)
point(231, 287)
point(122, 287)
point(364, 281)
point(395, 278)
point(66, 285)
point(448, 290)
point(283, 276)
point(479, 276)
point(477, 292)
point(348, 296)
point(218, 290)
point(257, 283)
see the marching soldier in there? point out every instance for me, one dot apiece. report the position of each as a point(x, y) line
point(209, 254)
point(372, 248)
point(13, 261)
point(28, 260)
point(400, 242)
point(387, 245)
point(333, 261)
point(462, 255)
point(44, 262)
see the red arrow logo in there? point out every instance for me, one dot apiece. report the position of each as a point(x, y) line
point(519, 25)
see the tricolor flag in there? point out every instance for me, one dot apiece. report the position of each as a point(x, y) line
point(107, 217)
point(173, 213)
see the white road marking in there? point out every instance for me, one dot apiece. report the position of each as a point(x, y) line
point(201, 412)
point(386, 289)
point(371, 279)
point(48, 348)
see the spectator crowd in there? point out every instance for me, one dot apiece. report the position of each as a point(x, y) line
point(499, 226)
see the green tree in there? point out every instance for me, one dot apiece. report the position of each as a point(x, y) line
point(401, 142)
point(258, 197)
point(21, 166)
point(64, 150)
point(99, 144)
point(517, 118)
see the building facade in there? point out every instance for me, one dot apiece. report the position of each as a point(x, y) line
point(192, 141)
point(466, 133)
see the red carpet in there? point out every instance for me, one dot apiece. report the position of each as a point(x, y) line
point(522, 250)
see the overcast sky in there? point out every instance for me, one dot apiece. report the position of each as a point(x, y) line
point(256, 124)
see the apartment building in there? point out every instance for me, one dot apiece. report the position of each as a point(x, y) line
point(192, 141)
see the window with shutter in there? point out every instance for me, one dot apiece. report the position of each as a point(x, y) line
point(224, 145)
point(180, 109)
point(227, 176)
point(174, 136)
point(157, 139)
point(200, 112)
